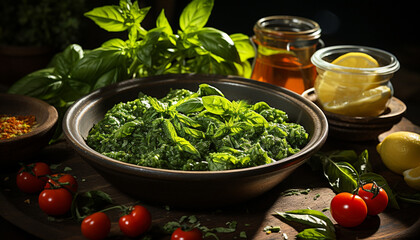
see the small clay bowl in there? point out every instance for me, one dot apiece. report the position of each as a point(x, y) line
point(360, 128)
point(21, 148)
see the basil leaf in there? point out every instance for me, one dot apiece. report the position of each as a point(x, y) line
point(43, 84)
point(186, 146)
point(309, 217)
point(220, 161)
point(312, 218)
point(145, 51)
point(126, 129)
point(194, 132)
point(343, 156)
point(109, 18)
point(243, 46)
point(231, 227)
point(64, 62)
point(86, 203)
point(341, 175)
point(218, 43)
point(244, 69)
point(221, 131)
point(98, 62)
point(138, 13)
point(212, 64)
point(259, 155)
point(409, 197)
point(207, 90)
point(108, 78)
point(187, 120)
point(195, 15)
point(260, 106)
point(315, 233)
point(370, 176)
point(72, 90)
point(114, 43)
point(169, 130)
point(191, 105)
point(156, 104)
point(162, 22)
point(239, 127)
point(216, 104)
point(362, 165)
point(255, 119)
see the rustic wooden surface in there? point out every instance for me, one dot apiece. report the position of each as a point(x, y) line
point(22, 218)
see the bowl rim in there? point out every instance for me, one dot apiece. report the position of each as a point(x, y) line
point(319, 62)
point(72, 135)
point(47, 124)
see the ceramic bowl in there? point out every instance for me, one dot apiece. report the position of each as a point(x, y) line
point(358, 129)
point(193, 188)
point(21, 148)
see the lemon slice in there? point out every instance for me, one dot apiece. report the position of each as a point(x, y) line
point(400, 151)
point(356, 60)
point(371, 102)
point(346, 83)
point(412, 177)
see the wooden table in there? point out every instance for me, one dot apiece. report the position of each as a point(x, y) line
point(27, 221)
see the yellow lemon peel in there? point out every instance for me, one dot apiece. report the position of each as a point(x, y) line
point(400, 151)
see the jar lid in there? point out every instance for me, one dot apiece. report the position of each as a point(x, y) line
point(287, 27)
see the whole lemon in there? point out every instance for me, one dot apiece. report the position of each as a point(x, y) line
point(400, 151)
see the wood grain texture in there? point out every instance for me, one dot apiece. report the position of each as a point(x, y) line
point(22, 210)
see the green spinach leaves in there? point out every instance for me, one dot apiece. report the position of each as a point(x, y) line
point(199, 130)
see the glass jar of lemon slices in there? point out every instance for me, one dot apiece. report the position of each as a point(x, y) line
point(354, 80)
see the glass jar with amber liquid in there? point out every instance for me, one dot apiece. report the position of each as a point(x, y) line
point(284, 46)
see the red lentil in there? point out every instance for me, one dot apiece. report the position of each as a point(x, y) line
point(11, 126)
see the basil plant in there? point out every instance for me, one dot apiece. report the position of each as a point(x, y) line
point(194, 48)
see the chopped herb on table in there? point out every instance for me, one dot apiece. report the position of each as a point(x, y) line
point(200, 130)
point(290, 192)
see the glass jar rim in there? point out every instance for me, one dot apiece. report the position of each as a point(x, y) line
point(318, 60)
point(313, 31)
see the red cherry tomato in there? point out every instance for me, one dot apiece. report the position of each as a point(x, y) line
point(136, 223)
point(55, 202)
point(62, 180)
point(193, 234)
point(31, 178)
point(349, 210)
point(96, 226)
point(375, 204)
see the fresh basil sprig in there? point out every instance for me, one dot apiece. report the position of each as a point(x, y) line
point(345, 170)
point(194, 48)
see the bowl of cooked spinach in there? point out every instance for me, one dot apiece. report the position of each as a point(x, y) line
point(194, 140)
